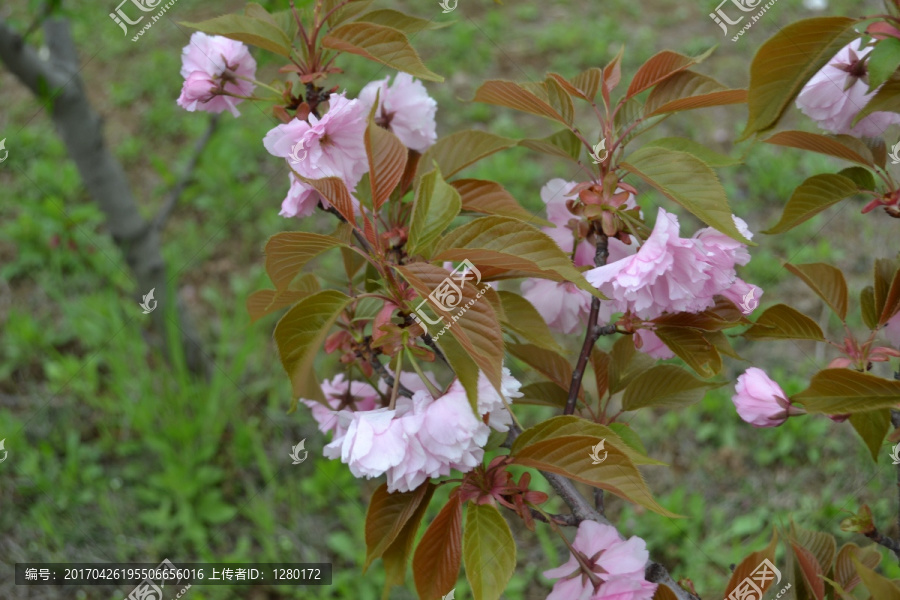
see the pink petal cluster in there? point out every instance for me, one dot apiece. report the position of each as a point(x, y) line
point(673, 274)
point(422, 437)
point(617, 563)
point(331, 146)
point(836, 94)
point(760, 401)
point(562, 305)
point(405, 108)
point(209, 61)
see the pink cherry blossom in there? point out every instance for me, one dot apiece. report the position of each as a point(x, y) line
point(332, 146)
point(616, 563)
point(836, 94)
point(561, 304)
point(760, 401)
point(405, 108)
point(892, 331)
point(489, 401)
point(374, 442)
point(209, 62)
point(362, 397)
point(652, 345)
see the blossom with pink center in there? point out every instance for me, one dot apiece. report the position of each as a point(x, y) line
point(213, 62)
point(332, 146)
point(836, 94)
point(617, 566)
point(760, 401)
point(405, 108)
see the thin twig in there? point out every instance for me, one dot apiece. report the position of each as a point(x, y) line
point(883, 540)
point(359, 237)
point(426, 337)
point(369, 356)
point(186, 176)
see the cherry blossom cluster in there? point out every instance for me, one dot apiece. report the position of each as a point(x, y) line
point(421, 437)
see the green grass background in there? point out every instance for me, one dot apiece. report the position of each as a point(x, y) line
point(115, 455)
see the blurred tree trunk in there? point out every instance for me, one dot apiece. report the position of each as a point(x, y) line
point(58, 82)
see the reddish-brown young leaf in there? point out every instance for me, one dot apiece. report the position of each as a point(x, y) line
point(785, 323)
point(385, 45)
point(534, 100)
point(334, 190)
point(691, 346)
point(387, 161)
point(543, 393)
point(891, 299)
point(626, 363)
point(827, 282)
point(490, 198)
point(885, 271)
point(750, 564)
point(664, 593)
point(386, 517)
point(839, 391)
point(844, 572)
point(659, 67)
point(477, 330)
point(822, 545)
point(289, 251)
point(612, 74)
point(458, 150)
point(839, 146)
point(264, 302)
point(439, 553)
point(396, 556)
point(811, 570)
point(548, 363)
point(688, 90)
point(588, 82)
point(600, 362)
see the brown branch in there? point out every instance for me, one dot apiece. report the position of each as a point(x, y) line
point(594, 331)
point(369, 355)
point(186, 176)
point(883, 540)
point(426, 337)
point(359, 237)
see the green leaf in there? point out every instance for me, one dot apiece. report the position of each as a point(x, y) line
point(569, 456)
point(630, 437)
point(523, 319)
point(840, 146)
point(782, 322)
point(396, 556)
point(534, 99)
point(265, 302)
point(626, 363)
point(388, 513)
point(439, 553)
point(548, 363)
point(300, 335)
point(257, 32)
point(435, 207)
point(569, 425)
point(839, 391)
point(710, 157)
point(693, 347)
point(289, 251)
point(489, 551)
point(688, 90)
point(789, 59)
point(812, 197)
point(827, 282)
point(665, 385)
point(880, 587)
point(490, 198)
point(867, 306)
point(543, 393)
point(401, 21)
point(883, 61)
point(872, 426)
point(466, 369)
point(381, 44)
point(862, 177)
point(457, 151)
point(510, 244)
point(563, 143)
point(688, 181)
